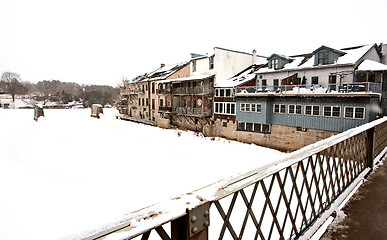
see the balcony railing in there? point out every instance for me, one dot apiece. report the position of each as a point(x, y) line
point(288, 199)
point(192, 111)
point(192, 91)
point(343, 88)
point(165, 109)
point(131, 91)
point(164, 91)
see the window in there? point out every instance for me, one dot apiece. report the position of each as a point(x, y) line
point(265, 128)
point(264, 84)
point(279, 108)
point(228, 93)
point(143, 102)
point(223, 92)
point(241, 126)
point(153, 104)
point(243, 107)
point(224, 124)
point(153, 87)
point(211, 62)
point(225, 108)
point(323, 57)
point(274, 63)
point(253, 107)
point(193, 66)
point(314, 80)
point(275, 83)
point(354, 112)
point(249, 127)
point(331, 111)
point(312, 110)
point(232, 109)
point(228, 108)
point(294, 109)
point(257, 127)
point(250, 107)
point(253, 127)
point(258, 108)
point(161, 102)
point(247, 107)
point(221, 107)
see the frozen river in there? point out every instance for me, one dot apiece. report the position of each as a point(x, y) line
point(69, 173)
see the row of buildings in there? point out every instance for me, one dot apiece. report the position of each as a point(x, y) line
point(282, 102)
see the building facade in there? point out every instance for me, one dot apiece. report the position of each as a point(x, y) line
point(294, 101)
point(193, 97)
point(143, 96)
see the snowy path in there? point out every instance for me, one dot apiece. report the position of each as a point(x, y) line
point(69, 172)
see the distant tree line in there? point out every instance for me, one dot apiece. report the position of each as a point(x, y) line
point(57, 91)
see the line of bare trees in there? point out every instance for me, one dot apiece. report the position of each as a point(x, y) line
point(57, 91)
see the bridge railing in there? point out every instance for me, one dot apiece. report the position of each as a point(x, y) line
point(287, 199)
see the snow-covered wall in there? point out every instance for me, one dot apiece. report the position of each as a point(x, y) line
point(227, 63)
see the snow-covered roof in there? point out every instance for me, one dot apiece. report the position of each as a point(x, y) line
point(160, 73)
point(369, 65)
point(348, 56)
point(245, 76)
point(281, 56)
point(190, 78)
point(351, 56)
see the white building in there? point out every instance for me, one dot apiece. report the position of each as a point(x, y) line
point(224, 63)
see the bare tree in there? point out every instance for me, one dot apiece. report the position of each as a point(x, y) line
point(123, 83)
point(12, 83)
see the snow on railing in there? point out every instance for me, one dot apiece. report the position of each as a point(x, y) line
point(287, 199)
point(343, 88)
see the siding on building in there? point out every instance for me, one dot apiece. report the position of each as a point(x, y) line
point(339, 124)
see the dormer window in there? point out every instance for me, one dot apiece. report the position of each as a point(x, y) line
point(323, 58)
point(325, 55)
point(275, 63)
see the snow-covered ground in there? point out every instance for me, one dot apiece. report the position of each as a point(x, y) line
point(69, 173)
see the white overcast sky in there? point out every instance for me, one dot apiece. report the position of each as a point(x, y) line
point(98, 42)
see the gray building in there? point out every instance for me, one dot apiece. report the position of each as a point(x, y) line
point(293, 101)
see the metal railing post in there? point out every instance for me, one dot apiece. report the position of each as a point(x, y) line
point(370, 148)
point(192, 226)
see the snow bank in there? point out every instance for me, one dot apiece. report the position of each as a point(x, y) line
point(69, 173)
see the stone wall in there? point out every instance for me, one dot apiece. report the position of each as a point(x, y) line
point(283, 138)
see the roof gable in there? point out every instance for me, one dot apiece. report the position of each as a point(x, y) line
point(275, 55)
point(322, 48)
point(160, 73)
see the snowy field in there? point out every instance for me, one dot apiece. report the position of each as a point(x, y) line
point(69, 173)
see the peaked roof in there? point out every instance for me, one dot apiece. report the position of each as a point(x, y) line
point(328, 48)
point(369, 65)
point(275, 55)
point(160, 73)
point(348, 56)
point(242, 77)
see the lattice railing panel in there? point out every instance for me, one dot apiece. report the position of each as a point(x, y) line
point(284, 204)
point(380, 138)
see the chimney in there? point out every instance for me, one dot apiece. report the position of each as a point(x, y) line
point(162, 65)
point(254, 58)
